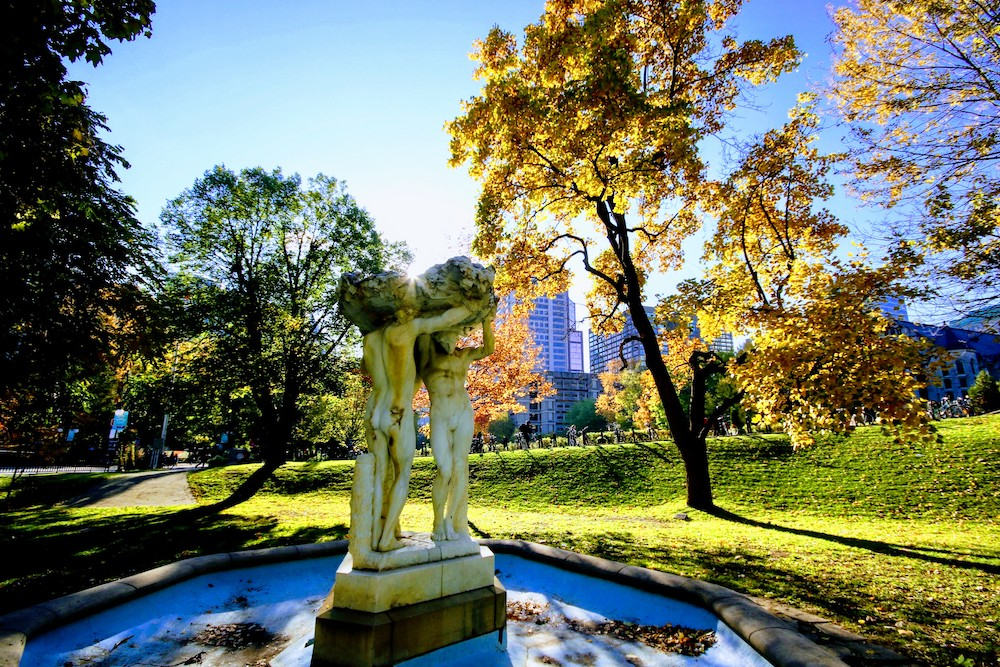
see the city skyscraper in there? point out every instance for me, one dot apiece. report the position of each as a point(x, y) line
point(553, 325)
point(614, 347)
point(606, 349)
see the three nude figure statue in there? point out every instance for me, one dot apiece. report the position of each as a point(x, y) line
point(419, 345)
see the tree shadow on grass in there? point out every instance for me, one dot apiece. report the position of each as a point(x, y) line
point(48, 555)
point(835, 595)
point(752, 573)
point(876, 546)
point(656, 451)
point(476, 530)
point(611, 468)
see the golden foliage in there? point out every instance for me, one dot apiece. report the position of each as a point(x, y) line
point(814, 363)
point(629, 397)
point(584, 138)
point(820, 346)
point(920, 84)
point(599, 107)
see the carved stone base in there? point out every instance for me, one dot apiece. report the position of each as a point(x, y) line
point(418, 548)
point(373, 592)
point(351, 638)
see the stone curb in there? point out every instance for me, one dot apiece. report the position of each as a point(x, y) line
point(770, 636)
point(774, 638)
point(17, 627)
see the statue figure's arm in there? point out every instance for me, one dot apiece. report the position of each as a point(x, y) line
point(446, 320)
point(422, 354)
point(366, 353)
point(488, 342)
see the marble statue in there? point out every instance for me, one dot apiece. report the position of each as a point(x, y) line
point(393, 312)
point(401, 594)
point(444, 367)
point(388, 359)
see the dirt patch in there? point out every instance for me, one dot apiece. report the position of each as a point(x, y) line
point(235, 636)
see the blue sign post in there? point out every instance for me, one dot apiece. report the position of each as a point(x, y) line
point(120, 420)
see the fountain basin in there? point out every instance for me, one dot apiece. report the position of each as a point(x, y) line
point(161, 611)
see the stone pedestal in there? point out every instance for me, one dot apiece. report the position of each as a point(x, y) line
point(374, 618)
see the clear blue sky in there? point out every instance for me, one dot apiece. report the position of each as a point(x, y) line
point(358, 91)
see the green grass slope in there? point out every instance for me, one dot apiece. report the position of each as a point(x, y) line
point(899, 543)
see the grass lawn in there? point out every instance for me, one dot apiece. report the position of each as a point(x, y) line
point(897, 542)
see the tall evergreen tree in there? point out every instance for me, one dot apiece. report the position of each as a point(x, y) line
point(71, 248)
point(984, 394)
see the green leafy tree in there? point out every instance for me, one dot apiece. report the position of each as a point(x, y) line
point(71, 249)
point(583, 415)
point(200, 398)
point(984, 394)
point(335, 424)
point(502, 429)
point(262, 253)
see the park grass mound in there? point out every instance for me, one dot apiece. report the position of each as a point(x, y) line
point(865, 474)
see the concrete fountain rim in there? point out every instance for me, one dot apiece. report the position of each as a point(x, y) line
point(776, 639)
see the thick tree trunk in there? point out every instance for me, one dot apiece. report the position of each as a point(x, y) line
point(275, 440)
point(699, 482)
point(687, 431)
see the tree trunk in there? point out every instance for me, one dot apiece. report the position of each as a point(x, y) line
point(687, 433)
point(699, 483)
point(276, 438)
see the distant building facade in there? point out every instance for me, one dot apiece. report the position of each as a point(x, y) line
point(724, 344)
point(965, 351)
point(618, 346)
point(553, 326)
point(549, 414)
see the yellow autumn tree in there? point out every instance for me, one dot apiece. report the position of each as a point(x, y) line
point(821, 345)
point(628, 397)
point(585, 138)
point(919, 84)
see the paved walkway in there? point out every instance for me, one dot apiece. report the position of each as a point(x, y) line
point(153, 487)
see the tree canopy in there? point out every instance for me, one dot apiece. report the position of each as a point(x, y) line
point(71, 249)
point(919, 84)
point(583, 415)
point(586, 138)
point(821, 343)
point(596, 115)
point(258, 258)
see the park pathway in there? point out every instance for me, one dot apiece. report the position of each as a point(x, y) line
point(137, 489)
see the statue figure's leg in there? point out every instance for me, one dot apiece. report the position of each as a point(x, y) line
point(443, 480)
point(401, 449)
point(458, 501)
point(379, 446)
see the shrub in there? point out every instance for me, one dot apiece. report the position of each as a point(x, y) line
point(984, 394)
